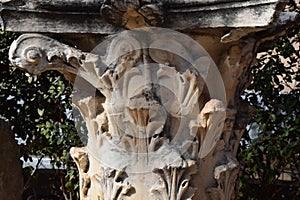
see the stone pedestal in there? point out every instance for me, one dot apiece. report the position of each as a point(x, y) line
point(162, 108)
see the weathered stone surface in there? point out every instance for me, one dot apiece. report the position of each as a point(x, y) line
point(164, 121)
point(76, 16)
point(11, 178)
point(136, 150)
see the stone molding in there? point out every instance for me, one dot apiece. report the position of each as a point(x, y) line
point(110, 16)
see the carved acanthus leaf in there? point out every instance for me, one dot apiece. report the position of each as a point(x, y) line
point(226, 176)
point(112, 184)
point(80, 156)
point(175, 183)
point(231, 163)
point(211, 120)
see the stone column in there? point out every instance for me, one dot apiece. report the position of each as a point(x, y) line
point(162, 108)
point(11, 177)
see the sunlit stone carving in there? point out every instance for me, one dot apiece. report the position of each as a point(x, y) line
point(164, 121)
point(152, 118)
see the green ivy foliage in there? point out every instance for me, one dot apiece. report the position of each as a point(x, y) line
point(275, 93)
point(39, 111)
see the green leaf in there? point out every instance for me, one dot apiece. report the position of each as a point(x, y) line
point(40, 112)
point(30, 79)
point(273, 117)
point(48, 124)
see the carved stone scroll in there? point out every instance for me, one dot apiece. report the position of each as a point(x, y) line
point(37, 53)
